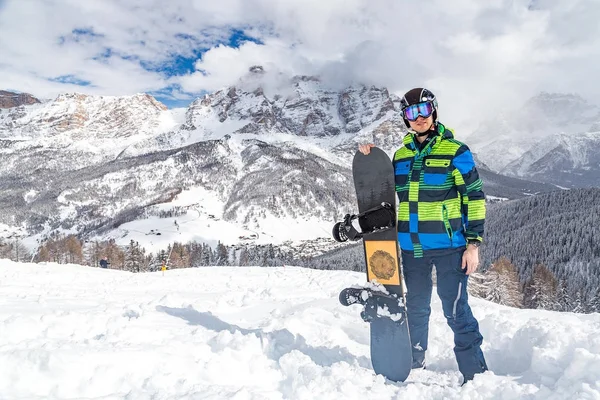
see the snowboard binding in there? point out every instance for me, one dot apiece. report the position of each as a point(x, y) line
point(376, 304)
point(353, 227)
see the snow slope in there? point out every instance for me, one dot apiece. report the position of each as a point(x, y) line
point(203, 222)
point(72, 332)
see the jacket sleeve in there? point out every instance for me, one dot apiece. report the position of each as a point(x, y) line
point(470, 187)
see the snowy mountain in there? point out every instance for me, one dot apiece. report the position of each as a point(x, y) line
point(78, 130)
point(570, 160)
point(303, 107)
point(503, 187)
point(89, 164)
point(72, 332)
point(12, 99)
point(271, 160)
point(551, 138)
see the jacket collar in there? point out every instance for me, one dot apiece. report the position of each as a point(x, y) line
point(409, 138)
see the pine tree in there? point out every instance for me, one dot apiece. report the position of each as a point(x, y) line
point(564, 299)
point(541, 291)
point(92, 253)
point(578, 303)
point(152, 262)
point(195, 251)
point(207, 255)
point(268, 256)
point(222, 255)
point(134, 257)
point(594, 303)
point(476, 286)
point(243, 261)
point(501, 284)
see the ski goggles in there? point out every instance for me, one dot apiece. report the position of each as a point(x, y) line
point(424, 109)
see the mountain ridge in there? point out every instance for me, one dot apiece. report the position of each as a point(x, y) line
point(91, 164)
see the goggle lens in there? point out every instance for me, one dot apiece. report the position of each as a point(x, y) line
point(425, 110)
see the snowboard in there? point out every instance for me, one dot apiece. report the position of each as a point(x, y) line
point(383, 298)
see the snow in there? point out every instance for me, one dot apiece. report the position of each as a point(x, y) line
point(202, 222)
point(496, 198)
point(11, 231)
point(171, 119)
point(385, 312)
point(210, 128)
point(30, 195)
point(73, 332)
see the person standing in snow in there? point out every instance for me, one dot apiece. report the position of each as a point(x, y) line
point(104, 263)
point(441, 214)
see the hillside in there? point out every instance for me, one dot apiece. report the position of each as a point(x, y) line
point(558, 230)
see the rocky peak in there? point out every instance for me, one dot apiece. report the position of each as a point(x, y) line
point(301, 105)
point(81, 115)
point(12, 99)
point(257, 69)
point(142, 99)
point(145, 98)
point(71, 97)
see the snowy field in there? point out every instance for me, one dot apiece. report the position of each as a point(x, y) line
point(71, 332)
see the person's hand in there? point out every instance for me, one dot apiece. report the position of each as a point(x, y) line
point(365, 148)
point(470, 259)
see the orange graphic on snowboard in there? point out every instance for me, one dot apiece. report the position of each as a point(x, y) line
point(382, 262)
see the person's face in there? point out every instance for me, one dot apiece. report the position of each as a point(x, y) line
point(421, 125)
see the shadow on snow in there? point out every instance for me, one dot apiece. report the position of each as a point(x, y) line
point(275, 344)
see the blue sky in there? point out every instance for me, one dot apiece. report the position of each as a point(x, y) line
point(174, 65)
point(478, 57)
point(180, 65)
point(121, 47)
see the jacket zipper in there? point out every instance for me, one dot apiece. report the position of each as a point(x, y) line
point(447, 222)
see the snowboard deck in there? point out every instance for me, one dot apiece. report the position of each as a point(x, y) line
point(391, 352)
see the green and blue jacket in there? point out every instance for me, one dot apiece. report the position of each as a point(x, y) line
point(441, 201)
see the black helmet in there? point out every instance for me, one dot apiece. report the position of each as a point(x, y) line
point(415, 96)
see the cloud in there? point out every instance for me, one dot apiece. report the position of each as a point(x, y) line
point(478, 57)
